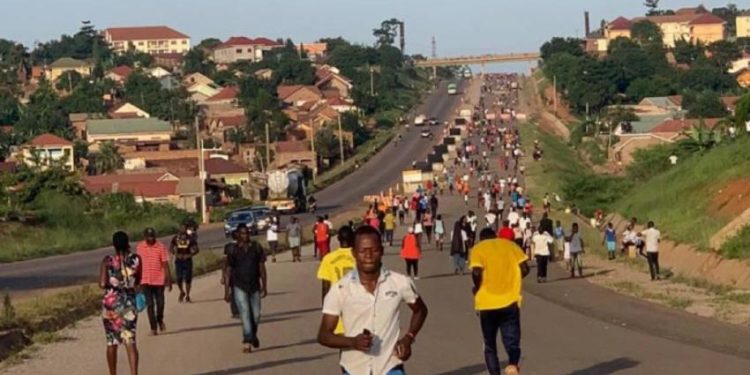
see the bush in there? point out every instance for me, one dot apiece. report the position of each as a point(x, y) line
point(591, 192)
point(649, 162)
point(218, 214)
point(737, 247)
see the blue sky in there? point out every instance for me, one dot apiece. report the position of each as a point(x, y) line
point(460, 27)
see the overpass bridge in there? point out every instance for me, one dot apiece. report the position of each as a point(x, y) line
point(477, 60)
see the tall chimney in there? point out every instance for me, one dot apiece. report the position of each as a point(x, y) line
point(587, 26)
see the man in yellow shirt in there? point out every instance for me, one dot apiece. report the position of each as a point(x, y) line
point(498, 266)
point(337, 264)
point(390, 224)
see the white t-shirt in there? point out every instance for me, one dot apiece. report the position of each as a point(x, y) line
point(490, 217)
point(272, 234)
point(524, 223)
point(417, 228)
point(513, 218)
point(358, 309)
point(540, 243)
point(673, 159)
point(651, 237)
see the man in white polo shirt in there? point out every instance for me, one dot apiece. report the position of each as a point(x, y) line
point(368, 301)
point(652, 237)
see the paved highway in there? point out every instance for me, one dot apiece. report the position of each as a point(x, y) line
point(380, 172)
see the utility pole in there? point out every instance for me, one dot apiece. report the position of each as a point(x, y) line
point(341, 140)
point(201, 171)
point(434, 56)
point(312, 146)
point(268, 147)
point(372, 81)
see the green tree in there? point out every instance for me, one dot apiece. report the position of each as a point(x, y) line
point(652, 86)
point(706, 104)
point(209, 43)
point(742, 111)
point(386, 34)
point(108, 158)
point(43, 114)
point(68, 81)
point(652, 6)
point(686, 52)
point(86, 43)
point(572, 46)
point(133, 59)
point(196, 61)
point(705, 75)
point(327, 144)
point(351, 122)
point(87, 97)
point(10, 110)
point(646, 33)
point(724, 52)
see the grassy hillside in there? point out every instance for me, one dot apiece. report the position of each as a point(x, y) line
point(681, 200)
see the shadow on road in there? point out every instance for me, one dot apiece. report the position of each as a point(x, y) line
point(292, 312)
point(267, 365)
point(609, 367)
point(226, 325)
point(301, 343)
point(466, 370)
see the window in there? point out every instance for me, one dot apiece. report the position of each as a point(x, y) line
point(238, 50)
point(173, 42)
point(249, 50)
point(184, 42)
point(140, 43)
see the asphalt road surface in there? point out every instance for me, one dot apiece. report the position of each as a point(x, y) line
point(380, 172)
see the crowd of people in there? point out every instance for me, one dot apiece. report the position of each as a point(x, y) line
point(361, 299)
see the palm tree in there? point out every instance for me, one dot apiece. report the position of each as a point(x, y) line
point(108, 158)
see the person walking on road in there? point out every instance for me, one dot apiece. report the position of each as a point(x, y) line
point(610, 240)
point(559, 234)
point(272, 237)
point(156, 277)
point(576, 251)
point(652, 237)
point(321, 233)
point(373, 343)
point(439, 232)
point(497, 269)
point(294, 238)
point(459, 245)
point(389, 222)
point(334, 267)
point(245, 274)
point(184, 248)
point(428, 224)
point(411, 251)
point(540, 243)
point(119, 276)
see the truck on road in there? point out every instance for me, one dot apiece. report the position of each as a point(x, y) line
point(420, 120)
point(286, 191)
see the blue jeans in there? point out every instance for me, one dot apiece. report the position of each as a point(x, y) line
point(508, 321)
point(459, 262)
point(248, 305)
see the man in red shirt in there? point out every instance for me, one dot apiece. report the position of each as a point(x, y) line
point(506, 232)
point(322, 240)
point(155, 277)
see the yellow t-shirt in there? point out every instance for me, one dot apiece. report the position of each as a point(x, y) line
point(390, 221)
point(333, 267)
point(501, 277)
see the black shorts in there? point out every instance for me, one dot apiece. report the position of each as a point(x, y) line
point(183, 269)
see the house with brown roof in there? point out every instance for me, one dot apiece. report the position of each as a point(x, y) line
point(147, 39)
point(64, 65)
point(119, 73)
point(314, 51)
point(46, 151)
point(329, 78)
point(226, 171)
point(294, 94)
point(169, 60)
point(240, 48)
point(294, 153)
point(227, 95)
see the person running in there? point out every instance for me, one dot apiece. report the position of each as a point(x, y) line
point(119, 276)
point(411, 251)
point(272, 237)
point(373, 343)
point(439, 232)
point(340, 262)
point(294, 238)
point(459, 245)
point(245, 281)
point(389, 222)
point(184, 248)
point(497, 269)
point(506, 232)
point(321, 233)
point(610, 240)
point(576, 251)
point(541, 242)
point(652, 237)
point(156, 277)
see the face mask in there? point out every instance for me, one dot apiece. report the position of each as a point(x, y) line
point(189, 231)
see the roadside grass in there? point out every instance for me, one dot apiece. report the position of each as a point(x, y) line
point(714, 289)
point(636, 290)
point(738, 246)
point(678, 199)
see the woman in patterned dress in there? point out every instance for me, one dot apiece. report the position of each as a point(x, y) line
point(119, 276)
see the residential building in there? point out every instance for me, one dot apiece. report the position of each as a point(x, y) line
point(157, 187)
point(194, 78)
point(158, 72)
point(741, 63)
point(128, 110)
point(64, 65)
point(227, 172)
point(240, 48)
point(119, 73)
point(169, 60)
point(140, 134)
point(294, 152)
point(45, 151)
point(314, 51)
point(743, 77)
point(227, 95)
point(661, 104)
point(264, 73)
point(330, 79)
point(147, 39)
point(200, 92)
point(169, 83)
point(295, 94)
point(79, 121)
point(743, 25)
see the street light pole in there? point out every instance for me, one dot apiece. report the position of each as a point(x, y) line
point(312, 146)
point(341, 140)
point(554, 78)
point(268, 147)
point(201, 172)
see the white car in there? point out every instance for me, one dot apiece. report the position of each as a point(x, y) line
point(426, 133)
